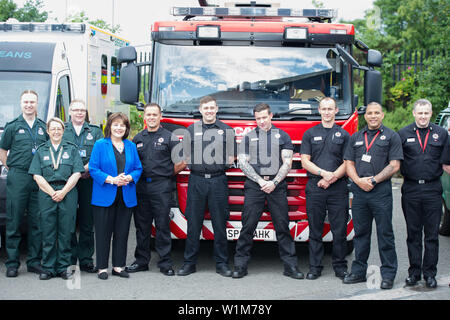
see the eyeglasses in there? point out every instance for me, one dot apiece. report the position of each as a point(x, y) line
point(78, 110)
point(55, 129)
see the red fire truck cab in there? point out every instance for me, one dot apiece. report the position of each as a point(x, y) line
point(242, 56)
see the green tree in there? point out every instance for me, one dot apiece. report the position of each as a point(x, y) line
point(102, 24)
point(7, 9)
point(32, 11)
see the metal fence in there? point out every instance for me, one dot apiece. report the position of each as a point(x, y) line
point(413, 59)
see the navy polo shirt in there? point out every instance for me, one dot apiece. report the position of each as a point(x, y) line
point(419, 164)
point(264, 149)
point(387, 146)
point(208, 146)
point(326, 146)
point(155, 150)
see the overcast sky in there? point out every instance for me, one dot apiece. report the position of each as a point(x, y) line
point(136, 16)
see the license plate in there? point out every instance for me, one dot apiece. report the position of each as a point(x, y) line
point(259, 234)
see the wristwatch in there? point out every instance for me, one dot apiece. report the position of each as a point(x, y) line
point(275, 182)
point(374, 182)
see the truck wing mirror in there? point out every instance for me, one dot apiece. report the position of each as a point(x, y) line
point(127, 55)
point(129, 84)
point(374, 58)
point(372, 87)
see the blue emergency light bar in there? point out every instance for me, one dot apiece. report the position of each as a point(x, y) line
point(43, 27)
point(254, 12)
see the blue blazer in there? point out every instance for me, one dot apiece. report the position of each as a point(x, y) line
point(103, 164)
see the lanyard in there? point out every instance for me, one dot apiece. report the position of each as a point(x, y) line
point(420, 140)
point(33, 137)
point(56, 164)
point(368, 146)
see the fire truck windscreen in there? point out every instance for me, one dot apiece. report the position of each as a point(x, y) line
point(12, 85)
point(290, 79)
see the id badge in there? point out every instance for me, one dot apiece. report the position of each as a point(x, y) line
point(82, 153)
point(366, 158)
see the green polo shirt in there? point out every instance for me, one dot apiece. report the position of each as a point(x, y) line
point(70, 162)
point(21, 141)
point(89, 134)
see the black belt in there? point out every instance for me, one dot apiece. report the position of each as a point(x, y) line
point(57, 183)
point(154, 178)
point(268, 178)
point(422, 181)
point(208, 175)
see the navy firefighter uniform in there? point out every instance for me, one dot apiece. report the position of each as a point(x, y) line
point(425, 151)
point(266, 160)
point(383, 145)
point(326, 146)
point(208, 186)
point(154, 193)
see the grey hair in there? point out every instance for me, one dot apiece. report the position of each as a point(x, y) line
point(422, 102)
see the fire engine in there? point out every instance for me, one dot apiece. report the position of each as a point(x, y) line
point(242, 55)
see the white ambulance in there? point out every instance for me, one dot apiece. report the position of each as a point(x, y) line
point(61, 62)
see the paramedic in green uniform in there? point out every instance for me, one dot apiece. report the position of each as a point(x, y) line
point(84, 135)
point(21, 138)
point(56, 167)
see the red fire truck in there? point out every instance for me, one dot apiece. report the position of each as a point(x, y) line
point(243, 55)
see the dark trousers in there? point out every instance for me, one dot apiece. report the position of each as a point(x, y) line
point(113, 221)
point(83, 246)
point(318, 200)
point(422, 207)
point(57, 224)
point(277, 204)
point(153, 204)
point(202, 192)
point(367, 206)
point(21, 197)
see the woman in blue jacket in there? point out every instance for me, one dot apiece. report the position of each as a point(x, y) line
point(115, 168)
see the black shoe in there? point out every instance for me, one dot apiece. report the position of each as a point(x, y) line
point(35, 269)
point(224, 270)
point(136, 267)
point(293, 272)
point(430, 282)
point(167, 271)
point(412, 281)
point(186, 269)
point(45, 276)
point(12, 272)
point(122, 274)
point(102, 275)
point(353, 278)
point(89, 268)
point(341, 274)
point(239, 272)
point(65, 275)
point(387, 284)
point(312, 275)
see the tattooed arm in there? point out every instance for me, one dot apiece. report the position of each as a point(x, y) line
point(244, 165)
point(286, 156)
point(388, 171)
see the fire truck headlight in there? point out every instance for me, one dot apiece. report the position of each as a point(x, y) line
point(296, 34)
point(208, 32)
